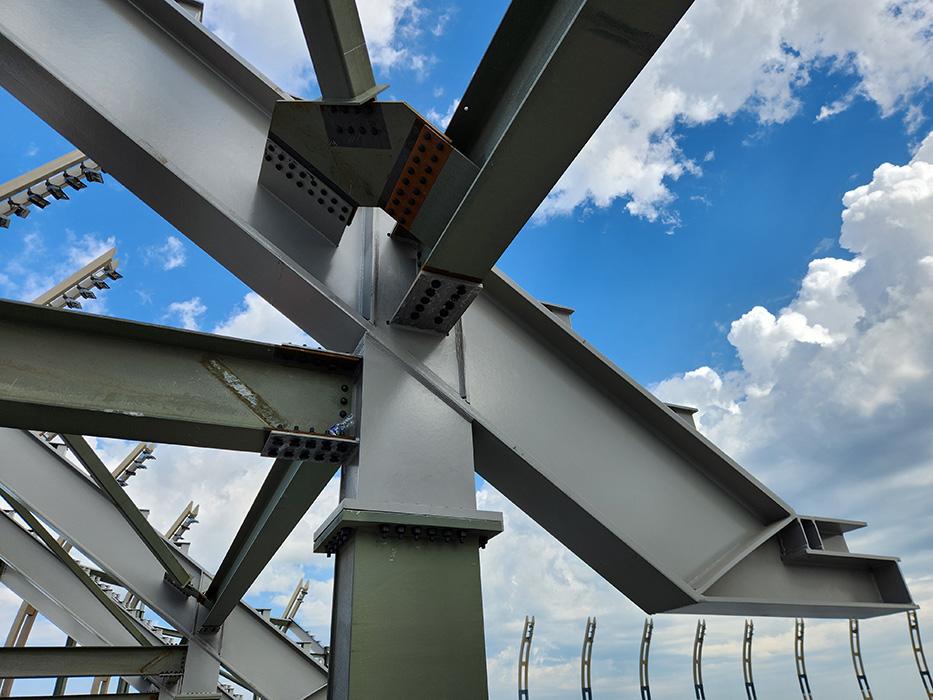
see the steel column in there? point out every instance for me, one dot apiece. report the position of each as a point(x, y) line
point(916, 645)
point(524, 656)
point(644, 651)
point(586, 659)
point(698, 639)
point(747, 675)
point(61, 683)
point(855, 647)
point(802, 679)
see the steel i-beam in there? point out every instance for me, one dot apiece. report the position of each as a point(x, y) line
point(916, 645)
point(643, 652)
point(586, 659)
point(855, 647)
point(698, 639)
point(747, 675)
point(802, 679)
point(524, 656)
point(53, 662)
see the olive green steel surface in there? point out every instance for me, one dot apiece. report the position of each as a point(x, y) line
point(284, 497)
point(161, 384)
point(417, 626)
point(156, 544)
point(51, 542)
point(52, 662)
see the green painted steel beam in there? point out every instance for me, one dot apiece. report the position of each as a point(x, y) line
point(285, 496)
point(143, 382)
point(156, 544)
point(54, 662)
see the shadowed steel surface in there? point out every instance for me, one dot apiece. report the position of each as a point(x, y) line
point(159, 383)
point(800, 661)
point(855, 647)
point(643, 651)
point(524, 655)
point(586, 658)
point(747, 675)
point(284, 497)
point(536, 98)
point(916, 645)
point(698, 639)
point(335, 40)
point(109, 696)
point(17, 637)
point(52, 662)
point(56, 491)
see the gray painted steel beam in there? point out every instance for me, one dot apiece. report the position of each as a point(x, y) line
point(335, 39)
point(285, 496)
point(250, 648)
point(160, 383)
point(552, 73)
point(52, 662)
point(109, 696)
point(201, 174)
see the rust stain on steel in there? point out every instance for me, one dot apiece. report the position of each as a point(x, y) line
point(253, 401)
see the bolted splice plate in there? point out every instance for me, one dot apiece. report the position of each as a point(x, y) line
point(436, 301)
point(308, 447)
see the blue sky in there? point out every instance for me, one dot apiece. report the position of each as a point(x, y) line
point(706, 196)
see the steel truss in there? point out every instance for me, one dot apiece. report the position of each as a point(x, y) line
point(524, 655)
point(747, 675)
point(855, 646)
point(916, 645)
point(586, 658)
point(698, 640)
point(210, 144)
point(643, 652)
point(800, 661)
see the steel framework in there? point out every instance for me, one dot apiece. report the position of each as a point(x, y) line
point(586, 658)
point(855, 646)
point(295, 198)
point(524, 655)
point(747, 675)
point(799, 660)
point(698, 640)
point(916, 645)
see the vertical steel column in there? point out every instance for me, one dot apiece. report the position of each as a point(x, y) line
point(586, 658)
point(61, 683)
point(407, 618)
point(747, 660)
point(855, 645)
point(801, 663)
point(524, 654)
point(19, 633)
point(919, 656)
point(643, 652)
point(100, 685)
point(698, 660)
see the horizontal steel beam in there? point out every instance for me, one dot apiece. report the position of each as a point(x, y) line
point(54, 489)
point(109, 696)
point(284, 497)
point(554, 70)
point(159, 383)
point(52, 662)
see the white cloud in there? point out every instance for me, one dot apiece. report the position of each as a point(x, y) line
point(257, 319)
point(442, 120)
point(169, 255)
point(728, 56)
point(187, 313)
point(268, 34)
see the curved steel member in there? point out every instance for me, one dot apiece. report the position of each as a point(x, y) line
point(917, 645)
point(643, 659)
point(586, 657)
point(799, 660)
point(855, 644)
point(698, 640)
point(747, 660)
point(524, 654)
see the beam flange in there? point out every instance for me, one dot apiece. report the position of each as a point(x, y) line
point(53, 662)
point(285, 496)
point(159, 383)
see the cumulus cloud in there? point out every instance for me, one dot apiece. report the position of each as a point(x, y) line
point(187, 313)
point(267, 33)
point(169, 255)
point(257, 319)
point(731, 56)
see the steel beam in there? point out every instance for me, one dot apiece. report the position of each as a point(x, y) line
point(250, 648)
point(109, 696)
point(539, 94)
point(52, 662)
point(335, 40)
point(586, 659)
point(284, 497)
point(161, 550)
point(713, 543)
point(643, 654)
point(524, 656)
point(160, 383)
